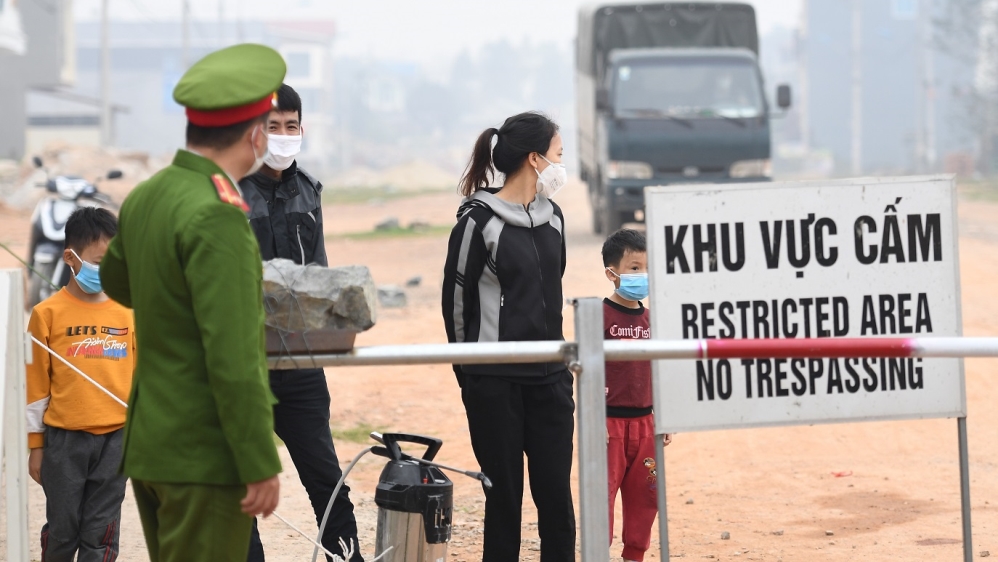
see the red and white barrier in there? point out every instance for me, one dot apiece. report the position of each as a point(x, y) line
point(629, 350)
point(850, 347)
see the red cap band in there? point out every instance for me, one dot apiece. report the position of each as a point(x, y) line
point(230, 115)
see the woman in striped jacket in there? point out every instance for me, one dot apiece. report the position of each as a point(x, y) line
point(502, 282)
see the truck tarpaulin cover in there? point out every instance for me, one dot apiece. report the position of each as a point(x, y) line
point(603, 28)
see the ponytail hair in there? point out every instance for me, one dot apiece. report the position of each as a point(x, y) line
point(479, 172)
point(519, 136)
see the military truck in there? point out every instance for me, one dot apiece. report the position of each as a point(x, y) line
point(668, 93)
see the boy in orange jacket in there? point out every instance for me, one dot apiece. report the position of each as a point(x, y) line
point(74, 428)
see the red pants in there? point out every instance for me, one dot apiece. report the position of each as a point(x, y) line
point(631, 464)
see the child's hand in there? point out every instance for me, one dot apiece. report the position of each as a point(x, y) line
point(666, 439)
point(35, 464)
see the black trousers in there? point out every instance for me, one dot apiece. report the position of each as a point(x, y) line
point(507, 420)
point(301, 420)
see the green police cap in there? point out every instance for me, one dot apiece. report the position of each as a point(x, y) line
point(232, 85)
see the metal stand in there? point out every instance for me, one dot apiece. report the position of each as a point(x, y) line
point(586, 359)
point(14, 435)
point(961, 428)
point(663, 512)
point(591, 398)
point(968, 547)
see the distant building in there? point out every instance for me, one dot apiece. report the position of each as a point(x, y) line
point(912, 99)
point(35, 53)
point(12, 37)
point(146, 64)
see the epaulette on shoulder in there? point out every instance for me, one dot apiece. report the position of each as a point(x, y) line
point(228, 193)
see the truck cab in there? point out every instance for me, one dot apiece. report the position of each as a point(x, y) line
point(668, 114)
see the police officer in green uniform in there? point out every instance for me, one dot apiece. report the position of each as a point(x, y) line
point(199, 443)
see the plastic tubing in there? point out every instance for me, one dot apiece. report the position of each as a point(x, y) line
point(329, 506)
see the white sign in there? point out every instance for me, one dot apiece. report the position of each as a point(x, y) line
point(845, 258)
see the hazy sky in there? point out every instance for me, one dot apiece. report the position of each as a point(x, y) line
point(423, 31)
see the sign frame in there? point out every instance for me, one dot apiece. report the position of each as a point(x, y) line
point(13, 431)
point(654, 220)
point(837, 408)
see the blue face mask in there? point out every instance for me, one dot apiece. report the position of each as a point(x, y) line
point(88, 278)
point(633, 286)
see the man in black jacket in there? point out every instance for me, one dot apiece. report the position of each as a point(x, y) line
point(286, 216)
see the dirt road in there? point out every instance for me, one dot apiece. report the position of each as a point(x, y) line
point(773, 490)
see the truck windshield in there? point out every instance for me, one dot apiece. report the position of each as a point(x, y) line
point(687, 87)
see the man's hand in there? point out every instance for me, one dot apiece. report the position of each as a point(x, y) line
point(261, 497)
point(666, 439)
point(35, 464)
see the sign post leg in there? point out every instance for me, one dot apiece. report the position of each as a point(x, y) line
point(968, 546)
point(663, 513)
point(12, 417)
point(594, 525)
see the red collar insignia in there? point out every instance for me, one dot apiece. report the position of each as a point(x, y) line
point(227, 193)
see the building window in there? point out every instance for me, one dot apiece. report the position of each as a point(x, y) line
point(299, 65)
point(310, 100)
point(904, 9)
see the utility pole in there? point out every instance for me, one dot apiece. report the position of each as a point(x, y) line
point(185, 24)
point(857, 88)
point(929, 88)
point(239, 21)
point(990, 79)
point(106, 134)
point(803, 97)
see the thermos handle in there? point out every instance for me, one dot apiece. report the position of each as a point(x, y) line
point(391, 442)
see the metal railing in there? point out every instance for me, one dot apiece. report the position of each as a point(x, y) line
point(586, 359)
point(643, 350)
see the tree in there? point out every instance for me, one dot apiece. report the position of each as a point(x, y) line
point(967, 30)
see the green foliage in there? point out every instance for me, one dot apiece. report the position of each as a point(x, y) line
point(984, 190)
point(438, 230)
point(360, 433)
point(360, 195)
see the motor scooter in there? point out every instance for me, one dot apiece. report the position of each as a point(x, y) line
point(48, 271)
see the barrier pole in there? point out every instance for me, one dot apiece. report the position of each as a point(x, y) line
point(643, 350)
point(663, 511)
point(432, 354)
point(968, 547)
point(591, 408)
point(12, 403)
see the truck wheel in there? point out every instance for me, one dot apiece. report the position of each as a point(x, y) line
point(595, 203)
point(611, 220)
point(597, 209)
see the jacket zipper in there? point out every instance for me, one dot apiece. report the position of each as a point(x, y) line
point(544, 304)
point(300, 247)
point(502, 302)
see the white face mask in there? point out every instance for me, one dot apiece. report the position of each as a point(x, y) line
point(552, 179)
point(258, 163)
point(281, 151)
